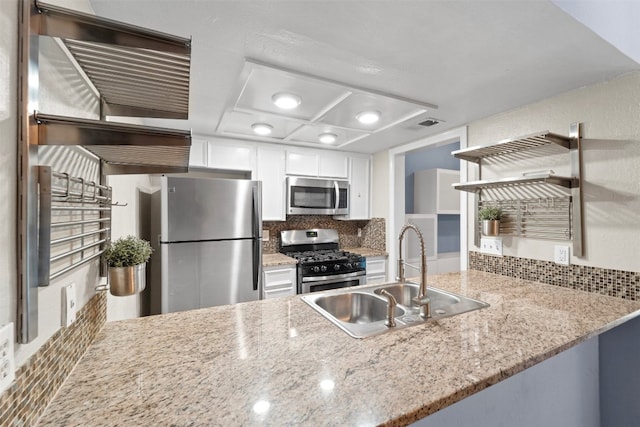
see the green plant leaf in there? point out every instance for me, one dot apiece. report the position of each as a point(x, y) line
point(127, 251)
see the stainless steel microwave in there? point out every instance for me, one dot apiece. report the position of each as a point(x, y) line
point(313, 196)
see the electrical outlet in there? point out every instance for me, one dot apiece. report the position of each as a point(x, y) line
point(359, 232)
point(7, 363)
point(491, 245)
point(69, 304)
point(265, 235)
point(561, 255)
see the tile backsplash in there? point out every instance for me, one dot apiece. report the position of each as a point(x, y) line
point(38, 380)
point(616, 283)
point(373, 231)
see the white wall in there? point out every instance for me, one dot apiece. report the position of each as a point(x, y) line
point(8, 155)
point(61, 92)
point(610, 113)
point(125, 221)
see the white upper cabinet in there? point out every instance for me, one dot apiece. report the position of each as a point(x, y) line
point(198, 153)
point(333, 164)
point(359, 179)
point(433, 192)
point(302, 163)
point(317, 163)
point(231, 155)
point(270, 170)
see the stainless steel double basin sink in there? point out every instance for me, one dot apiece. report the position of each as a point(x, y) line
point(361, 312)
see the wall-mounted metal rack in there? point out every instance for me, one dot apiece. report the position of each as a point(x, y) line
point(135, 72)
point(547, 216)
point(77, 226)
point(542, 218)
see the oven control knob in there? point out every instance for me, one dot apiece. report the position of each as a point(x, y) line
point(348, 265)
point(323, 268)
point(316, 269)
point(336, 267)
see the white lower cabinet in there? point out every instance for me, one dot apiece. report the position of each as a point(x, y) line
point(376, 269)
point(279, 281)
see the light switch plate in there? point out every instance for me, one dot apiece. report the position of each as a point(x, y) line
point(69, 304)
point(491, 245)
point(7, 362)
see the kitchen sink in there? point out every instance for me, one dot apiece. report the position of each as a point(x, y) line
point(405, 292)
point(355, 307)
point(362, 312)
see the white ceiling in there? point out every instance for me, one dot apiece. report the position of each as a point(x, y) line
point(470, 58)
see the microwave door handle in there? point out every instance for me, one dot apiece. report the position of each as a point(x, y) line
point(335, 184)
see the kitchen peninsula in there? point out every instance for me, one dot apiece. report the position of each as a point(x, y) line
point(278, 362)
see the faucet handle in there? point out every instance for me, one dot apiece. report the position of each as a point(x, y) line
point(391, 308)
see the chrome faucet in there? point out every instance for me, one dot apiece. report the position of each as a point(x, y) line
point(421, 300)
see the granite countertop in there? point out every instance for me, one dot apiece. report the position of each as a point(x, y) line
point(272, 260)
point(278, 362)
point(366, 252)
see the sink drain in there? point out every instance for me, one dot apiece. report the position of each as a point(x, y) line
point(440, 311)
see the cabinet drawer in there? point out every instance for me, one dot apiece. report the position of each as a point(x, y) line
point(376, 279)
point(279, 293)
point(376, 266)
point(279, 278)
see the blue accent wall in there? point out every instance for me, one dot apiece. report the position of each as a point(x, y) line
point(432, 158)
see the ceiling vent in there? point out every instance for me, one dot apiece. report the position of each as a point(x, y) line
point(429, 122)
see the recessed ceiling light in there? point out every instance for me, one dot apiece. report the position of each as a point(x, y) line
point(262, 128)
point(327, 137)
point(286, 101)
point(368, 117)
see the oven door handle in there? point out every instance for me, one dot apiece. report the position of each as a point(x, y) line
point(334, 277)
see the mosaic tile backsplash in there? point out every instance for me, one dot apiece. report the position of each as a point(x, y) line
point(38, 380)
point(373, 231)
point(616, 283)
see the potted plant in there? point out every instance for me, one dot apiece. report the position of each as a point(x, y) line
point(126, 258)
point(490, 217)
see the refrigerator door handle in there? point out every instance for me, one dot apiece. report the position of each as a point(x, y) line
point(257, 243)
point(257, 265)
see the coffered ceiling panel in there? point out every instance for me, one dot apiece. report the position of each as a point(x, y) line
point(241, 124)
point(311, 134)
point(263, 83)
point(391, 111)
point(323, 106)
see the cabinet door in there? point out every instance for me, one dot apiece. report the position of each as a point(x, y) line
point(231, 156)
point(359, 179)
point(434, 192)
point(302, 163)
point(448, 197)
point(332, 164)
point(279, 281)
point(198, 153)
point(376, 266)
point(270, 171)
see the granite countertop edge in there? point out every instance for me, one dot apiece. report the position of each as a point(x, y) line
point(272, 341)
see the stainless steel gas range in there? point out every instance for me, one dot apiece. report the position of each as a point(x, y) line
point(321, 264)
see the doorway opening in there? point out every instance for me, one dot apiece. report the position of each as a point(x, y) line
point(442, 222)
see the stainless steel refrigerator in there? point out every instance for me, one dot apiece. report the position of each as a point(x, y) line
point(210, 244)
